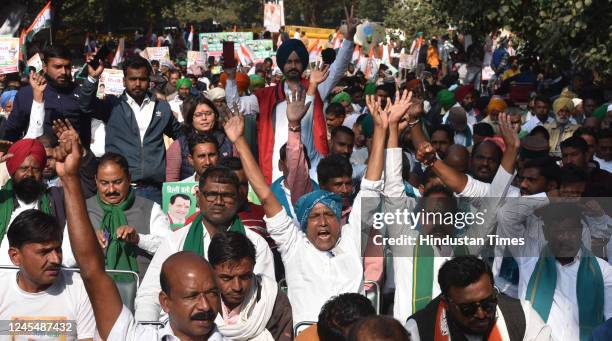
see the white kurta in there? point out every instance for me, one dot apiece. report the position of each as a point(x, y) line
point(314, 276)
point(147, 298)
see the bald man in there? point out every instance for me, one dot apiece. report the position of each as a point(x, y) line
point(380, 328)
point(189, 293)
point(458, 157)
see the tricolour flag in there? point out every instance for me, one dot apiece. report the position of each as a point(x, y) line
point(369, 72)
point(42, 21)
point(337, 40)
point(356, 54)
point(245, 55)
point(314, 51)
point(190, 40)
point(118, 59)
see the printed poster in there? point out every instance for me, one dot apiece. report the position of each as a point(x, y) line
point(111, 83)
point(158, 53)
point(274, 16)
point(179, 202)
point(212, 43)
point(196, 58)
point(9, 54)
point(35, 62)
point(262, 49)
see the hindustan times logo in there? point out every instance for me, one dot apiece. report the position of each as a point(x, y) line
point(413, 219)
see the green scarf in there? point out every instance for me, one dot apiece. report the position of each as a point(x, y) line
point(7, 206)
point(120, 255)
point(194, 241)
point(589, 290)
point(423, 273)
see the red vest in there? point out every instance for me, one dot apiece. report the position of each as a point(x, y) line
point(268, 98)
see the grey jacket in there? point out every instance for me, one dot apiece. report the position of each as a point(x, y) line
point(146, 159)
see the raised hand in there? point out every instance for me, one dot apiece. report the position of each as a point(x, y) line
point(68, 155)
point(4, 146)
point(234, 125)
point(380, 115)
point(511, 138)
point(400, 107)
point(351, 23)
point(62, 127)
point(319, 75)
point(296, 106)
point(94, 73)
point(415, 110)
point(39, 84)
point(426, 154)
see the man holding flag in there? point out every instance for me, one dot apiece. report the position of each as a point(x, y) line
point(292, 58)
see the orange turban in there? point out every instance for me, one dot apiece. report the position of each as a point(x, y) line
point(242, 81)
point(496, 103)
point(21, 150)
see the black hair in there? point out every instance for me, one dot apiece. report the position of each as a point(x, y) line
point(461, 271)
point(154, 62)
point(283, 154)
point(547, 167)
point(33, 226)
point(333, 166)
point(542, 98)
point(56, 51)
point(179, 195)
point(230, 246)
point(117, 159)
point(339, 313)
point(335, 109)
point(585, 131)
point(384, 88)
point(137, 62)
point(604, 134)
point(575, 142)
point(571, 174)
point(189, 106)
point(195, 139)
point(342, 129)
point(447, 129)
point(540, 130)
point(483, 129)
point(231, 162)
point(328, 56)
point(498, 150)
point(555, 213)
point(221, 175)
point(380, 328)
point(48, 140)
point(269, 60)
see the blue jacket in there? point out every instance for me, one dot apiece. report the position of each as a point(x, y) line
point(59, 104)
point(146, 159)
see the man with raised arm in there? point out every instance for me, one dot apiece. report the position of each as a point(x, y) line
point(189, 293)
point(321, 257)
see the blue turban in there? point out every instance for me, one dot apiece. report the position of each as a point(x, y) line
point(292, 45)
point(7, 96)
point(308, 201)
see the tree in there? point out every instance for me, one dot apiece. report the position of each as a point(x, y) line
point(568, 33)
point(413, 16)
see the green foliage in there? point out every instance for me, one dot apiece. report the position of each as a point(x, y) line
point(565, 32)
point(413, 16)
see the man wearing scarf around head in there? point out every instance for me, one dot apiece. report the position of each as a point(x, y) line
point(183, 88)
point(322, 258)
point(129, 227)
point(25, 190)
point(292, 59)
point(562, 128)
point(218, 200)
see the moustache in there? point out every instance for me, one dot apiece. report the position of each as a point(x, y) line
point(112, 194)
point(203, 316)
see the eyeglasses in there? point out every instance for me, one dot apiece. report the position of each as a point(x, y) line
point(227, 197)
point(202, 114)
point(488, 305)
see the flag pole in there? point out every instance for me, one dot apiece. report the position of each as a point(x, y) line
point(50, 36)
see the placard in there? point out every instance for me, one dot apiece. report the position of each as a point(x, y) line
point(9, 54)
point(158, 53)
point(212, 43)
point(110, 83)
point(179, 202)
point(196, 58)
point(35, 62)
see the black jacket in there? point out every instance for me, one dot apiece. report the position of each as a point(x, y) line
point(146, 159)
point(59, 104)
